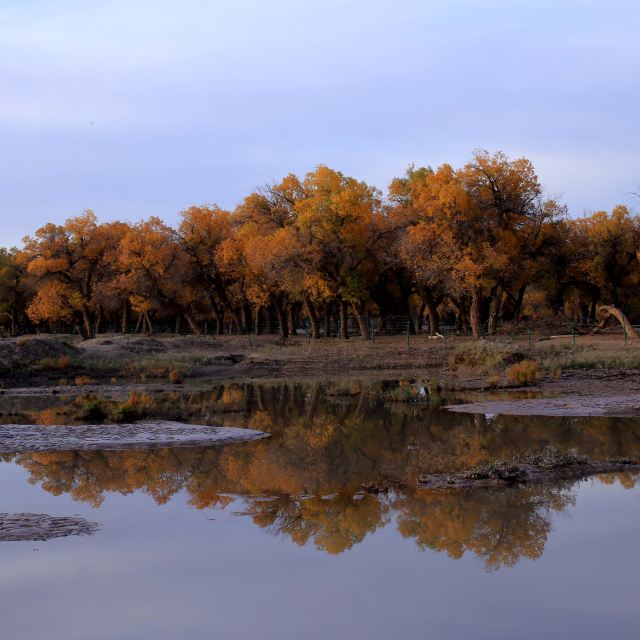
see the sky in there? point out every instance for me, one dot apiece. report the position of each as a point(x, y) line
point(134, 108)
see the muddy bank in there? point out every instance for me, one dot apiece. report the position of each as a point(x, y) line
point(17, 527)
point(505, 474)
point(109, 437)
point(620, 406)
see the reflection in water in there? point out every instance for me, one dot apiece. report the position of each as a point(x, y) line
point(304, 482)
point(500, 526)
point(334, 524)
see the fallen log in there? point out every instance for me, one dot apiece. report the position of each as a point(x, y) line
point(608, 312)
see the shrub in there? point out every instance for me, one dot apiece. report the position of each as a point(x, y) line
point(92, 410)
point(493, 380)
point(417, 392)
point(176, 377)
point(489, 356)
point(63, 364)
point(551, 458)
point(523, 373)
point(137, 407)
point(82, 381)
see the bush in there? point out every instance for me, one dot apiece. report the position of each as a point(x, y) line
point(82, 381)
point(493, 380)
point(137, 407)
point(63, 364)
point(176, 377)
point(523, 373)
point(489, 356)
point(93, 410)
point(551, 458)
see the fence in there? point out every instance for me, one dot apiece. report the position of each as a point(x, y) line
point(397, 325)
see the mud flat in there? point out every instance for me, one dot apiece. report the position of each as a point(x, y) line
point(17, 527)
point(16, 438)
point(621, 406)
point(505, 474)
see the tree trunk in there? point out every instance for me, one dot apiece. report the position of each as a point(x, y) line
point(420, 318)
point(613, 312)
point(87, 325)
point(432, 309)
point(358, 310)
point(291, 324)
point(193, 324)
point(258, 320)
point(313, 317)
point(147, 322)
point(246, 317)
point(517, 311)
point(236, 320)
point(124, 320)
point(282, 319)
point(493, 314)
point(220, 321)
point(327, 319)
point(344, 329)
point(474, 314)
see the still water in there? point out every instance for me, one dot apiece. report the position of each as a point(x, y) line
point(274, 539)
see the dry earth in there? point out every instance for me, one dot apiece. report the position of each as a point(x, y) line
point(16, 527)
point(603, 381)
point(141, 435)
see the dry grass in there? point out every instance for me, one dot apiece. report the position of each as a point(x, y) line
point(181, 358)
point(523, 373)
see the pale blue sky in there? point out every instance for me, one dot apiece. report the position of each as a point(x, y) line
point(141, 107)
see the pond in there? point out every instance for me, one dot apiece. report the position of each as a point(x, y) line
point(319, 530)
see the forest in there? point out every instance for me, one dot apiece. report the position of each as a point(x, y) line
point(479, 247)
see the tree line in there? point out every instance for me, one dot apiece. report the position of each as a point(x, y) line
point(480, 245)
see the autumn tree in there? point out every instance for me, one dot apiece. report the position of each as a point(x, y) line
point(14, 289)
point(481, 228)
point(342, 221)
point(72, 263)
point(202, 232)
point(156, 274)
point(603, 253)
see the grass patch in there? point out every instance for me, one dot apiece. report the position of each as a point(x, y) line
point(523, 373)
point(551, 458)
point(486, 356)
point(548, 458)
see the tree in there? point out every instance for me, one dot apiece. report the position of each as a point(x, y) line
point(14, 292)
point(202, 232)
point(342, 221)
point(156, 273)
point(72, 263)
point(480, 228)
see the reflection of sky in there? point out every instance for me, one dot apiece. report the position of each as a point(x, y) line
point(171, 571)
point(139, 108)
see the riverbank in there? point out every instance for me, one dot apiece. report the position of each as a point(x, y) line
point(597, 365)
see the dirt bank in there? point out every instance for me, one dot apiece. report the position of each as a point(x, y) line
point(504, 474)
point(17, 527)
point(621, 406)
point(109, 437)
point(605, 366)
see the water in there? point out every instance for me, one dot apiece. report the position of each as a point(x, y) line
point(274, 539)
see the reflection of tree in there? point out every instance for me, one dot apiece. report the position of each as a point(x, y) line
point(334, 524)
point(323, 445)
point(499, 526)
